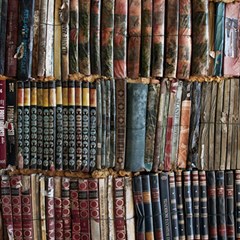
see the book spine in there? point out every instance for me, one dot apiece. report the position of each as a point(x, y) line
point(85, 126)
point(211, 32)
point(26, 124)
point(203, 205)
point(95, 37)
point(3, 139)
point(11, 38)
point(188, 205)
point(84, 37)
point(1, 220)
point(43, 207)
point(139, 208)
point(84, 209)
point(134, 41)
point(108, 122)
point(229, 193)
point(180, 209)
point(27, 217)
point(34, 126)
point(66, 213)
point(237, 201)
point(74, 34)
point(158, 38)
point(65, 115)
point(93, 126)
point(15, 183)
point(99, 123)
point(120, 38)
point(156, 206)
point(107, 35)
point(58, 209)
point(78, 104)
point(94, 208)
point(104, 123)
point(71, 126)
point(152, 107)
point(75, 210)
point(39, 124)
point(24, 52)
point(50, 208)
point(121, 101)
point(196, 212)
point(113, 123)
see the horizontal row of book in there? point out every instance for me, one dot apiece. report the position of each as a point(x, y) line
point(80, 125)
point(181, 205)
point(119, 39)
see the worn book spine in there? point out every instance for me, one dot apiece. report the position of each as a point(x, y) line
point(34, 126)
point(95, 20)
point(188, 204)
point(139, 208)
point(108, 123)
point(26, 124)
point(237, 128)
point(85, 126)
point(71, 126)
point(42, 202)
point(99, 124)
point(84, 209)
point(237, 201)
point(113, 124)
point(74, 35)
point(212, 210)
point(3, 137)
point(95, 232)
point(104, 123)
point(136, 123)
point(75, 210)
point(121, 101)
point(134, 41)
point(200, 38)
point(196, 209)
point(39, 124)
point(173, 205)
point(180, 208)
point(120, 39)
point(211, 31)
point(84, 37)
point(15, 182)
point(27, 222)
point(158, 32)
point(78, 120)
point(24, 51)
point(66, 213)
point(203, 206)
point(184, 40)
point(151, 122)
point(11, 38)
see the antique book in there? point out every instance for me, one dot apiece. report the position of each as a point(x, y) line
point(134, 40)
point(3, 31)
point(211, 33)
point(108, 123)
point(152, 108)
point(136, 126)
point(146, 38)
point(84, 37)
point(42, 206)
point(158, 40)
point(237, 205)
point(113, 123)
point(39, 124)
point(95, 20)
point(104, 123)
point(200, 38)
point(25, 39)
point(120, 38)
point(11, 38)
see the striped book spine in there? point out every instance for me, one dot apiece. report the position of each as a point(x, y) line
point(108, 122)
point(39, 124)
point(237, 202)
point(113, 124)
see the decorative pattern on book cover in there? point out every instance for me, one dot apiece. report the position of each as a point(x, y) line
point(113, 124)
point(39, 124)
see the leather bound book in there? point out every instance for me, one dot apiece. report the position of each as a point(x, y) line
point(165, 204)
point(139, 208)
point(136, 126)
point(108, 123)
point(113, 123)
point(147, 202)
point(212, 210)
point(104, 123)
point(42, 204)
point(237, 201)
point(229, 201)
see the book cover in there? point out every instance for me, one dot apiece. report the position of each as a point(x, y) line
point(237, 200)
point(108, 123)
point(113, 123)
point(104, 123)
point(42, 205)
point(39, 124)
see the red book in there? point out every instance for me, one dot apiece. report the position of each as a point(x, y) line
point(15, 183)
point(3, 152)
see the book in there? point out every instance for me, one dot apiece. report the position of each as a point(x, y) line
point(39, 124)
point(108, 123)
point(104, 123)
point(237, 200)
point(42, 201)
point(20, 117)
point(113, 124)
point(211, 31)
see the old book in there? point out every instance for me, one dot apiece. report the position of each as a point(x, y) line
point(3, 31)
point(237, 200)
point(74, 35)
point(211, 31)
point(108, 123)
point(113, 123)
point(237, 122)
point(84, 37)
point(42, 205)
point(95, 20)
point(104, 123)
point(158, 32)
point(136, 123)
point(200, 38)
point(134, 41)
point(39, 124)
point(11, 38)
point(120, 39)
point(152, 108)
